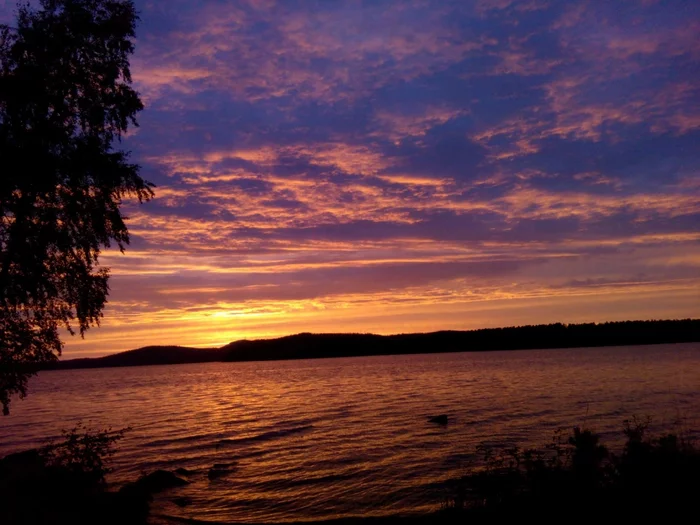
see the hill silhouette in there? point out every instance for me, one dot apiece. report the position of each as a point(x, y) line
point(314, 346)
point(148, 355)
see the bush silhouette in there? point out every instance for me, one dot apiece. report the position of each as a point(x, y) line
point(579, 473)
point(64, 482)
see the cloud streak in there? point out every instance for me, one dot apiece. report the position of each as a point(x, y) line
point(422, 165)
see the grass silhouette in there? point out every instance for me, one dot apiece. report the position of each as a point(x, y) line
point(575, 478)
point(580, 475)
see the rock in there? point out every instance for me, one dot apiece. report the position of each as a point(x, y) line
point(131, 505)
point(183, 472)
point(27, 457)
point(440, 420)
point(158, 481)
point(183, 501)
point(216, 473)
point(219, 470)
point(221, 466)
point(23, 465)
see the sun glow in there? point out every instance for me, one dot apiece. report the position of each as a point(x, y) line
point(436, 166)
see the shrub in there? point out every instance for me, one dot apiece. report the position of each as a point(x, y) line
point(83, 454)
point(64, 482)
point(577, 472)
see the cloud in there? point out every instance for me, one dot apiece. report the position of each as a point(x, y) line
point(402, 166)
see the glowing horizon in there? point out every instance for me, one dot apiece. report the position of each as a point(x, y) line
point(406, 167)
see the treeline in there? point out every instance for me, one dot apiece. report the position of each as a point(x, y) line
point(310, 346)
point(313, 346)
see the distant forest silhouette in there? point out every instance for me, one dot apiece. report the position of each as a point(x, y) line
point(315, 346)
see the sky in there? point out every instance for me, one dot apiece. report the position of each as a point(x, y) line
point(404, 166)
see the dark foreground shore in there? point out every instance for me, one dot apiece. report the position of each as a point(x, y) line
point(388, 520)
point(574, 477)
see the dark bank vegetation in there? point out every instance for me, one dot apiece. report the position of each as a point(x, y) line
point(574, 478)
point(305, 346)
point(311, 346)
point(64, 482)
point(577, 478)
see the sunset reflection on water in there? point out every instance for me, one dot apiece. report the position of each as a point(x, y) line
point(341, 437)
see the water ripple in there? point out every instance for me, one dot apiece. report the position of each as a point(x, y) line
point(305, 440)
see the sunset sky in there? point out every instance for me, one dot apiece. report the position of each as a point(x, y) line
point(377, 166)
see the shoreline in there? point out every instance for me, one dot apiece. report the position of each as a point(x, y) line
point(510, 483)
point(329, 346)
point(397, 519)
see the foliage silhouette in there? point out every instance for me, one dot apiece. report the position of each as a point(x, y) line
point(650, 476)
point(64, 482)
point(83, 453)
point(65, 101)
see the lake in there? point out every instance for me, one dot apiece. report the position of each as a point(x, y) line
point(320, 439)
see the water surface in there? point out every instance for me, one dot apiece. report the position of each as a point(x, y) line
point(317, 439)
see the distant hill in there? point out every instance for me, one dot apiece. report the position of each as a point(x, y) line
point(313, 346)
point(148, 355)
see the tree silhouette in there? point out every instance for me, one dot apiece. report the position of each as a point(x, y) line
point(65, 102)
